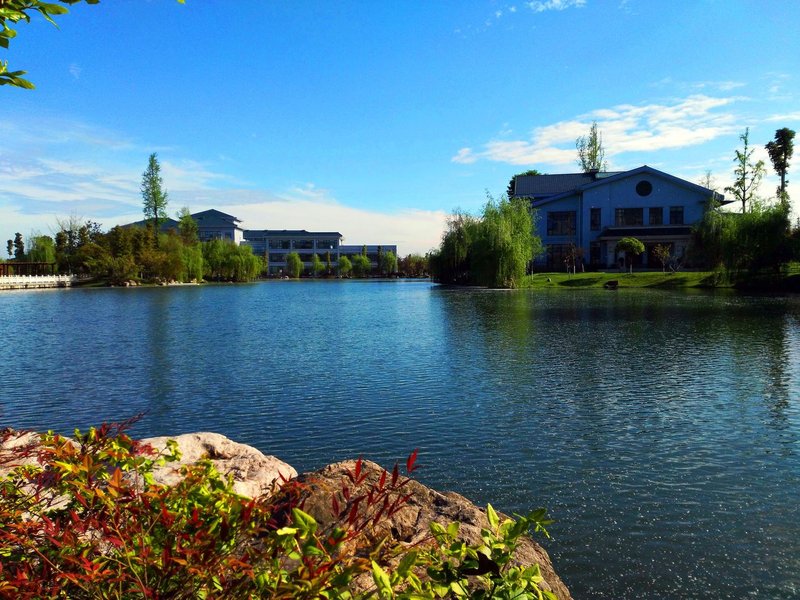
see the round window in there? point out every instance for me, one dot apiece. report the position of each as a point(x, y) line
point(643, 188)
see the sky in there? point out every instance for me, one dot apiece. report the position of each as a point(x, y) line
point(377, 119)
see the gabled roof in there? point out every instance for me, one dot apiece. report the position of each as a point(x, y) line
point(215, 218)
point(547, 188)
point(539, 186)
point(165, 224)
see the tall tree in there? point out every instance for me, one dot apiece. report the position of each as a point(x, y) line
point(19, 247)
point(10, 248)
point(153, 195)
point(748, 173)
point(591, 154)
point(511, 190)
point(187, 226)
point(780, 153)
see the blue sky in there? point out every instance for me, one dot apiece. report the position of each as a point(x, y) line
point(376, 119)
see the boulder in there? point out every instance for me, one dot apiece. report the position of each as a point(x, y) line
point(253, 472)
point(411, 524)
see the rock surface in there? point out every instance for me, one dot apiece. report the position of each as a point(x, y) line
point(412, 523)
point(253, 472)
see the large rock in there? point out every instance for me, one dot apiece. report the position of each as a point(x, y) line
point(411, 524)
point(253, 472)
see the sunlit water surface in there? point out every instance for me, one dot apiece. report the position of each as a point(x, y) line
point(661, 430)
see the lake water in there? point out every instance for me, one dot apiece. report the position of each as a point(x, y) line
point(661, 430)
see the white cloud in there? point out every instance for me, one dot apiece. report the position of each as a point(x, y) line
point(75, 70)
point(545, 5)
point(624, 128)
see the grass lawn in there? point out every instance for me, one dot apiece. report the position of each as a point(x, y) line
point(651, 279)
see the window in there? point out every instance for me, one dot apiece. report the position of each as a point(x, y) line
point(656, 215)
point(561, 222)
point(595, 219)
point(279, 244)
point(676, 215)
point(304, 244)
point(628, 217)
point(594, 253)
point(327, 244)
point(644, 188)
point(557, 255)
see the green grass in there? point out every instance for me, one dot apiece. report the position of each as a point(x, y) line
point(651, 279)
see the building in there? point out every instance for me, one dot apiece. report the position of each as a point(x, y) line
point(588, 213)
point(213, 224)
point(277, 243)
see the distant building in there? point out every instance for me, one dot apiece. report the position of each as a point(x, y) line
point(277, 243)
point(593, 211)
point(213, 224)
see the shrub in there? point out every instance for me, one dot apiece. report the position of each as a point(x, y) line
point(84, 518)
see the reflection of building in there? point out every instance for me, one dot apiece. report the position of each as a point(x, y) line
point(592, 211)
point(280, 242)
point(372, 251)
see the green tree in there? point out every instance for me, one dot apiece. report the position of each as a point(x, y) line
point(388, 264)
point(153, 195)
point(511, 190)
point(780, 153)
point(328, 265)
point(748, 173)
point(294, 266)
point(662, 254)
point(187, 226)
point(361, 265)
point(345, 266)
point(317, 266)
point(19, 247)
point(631, 247)
point(10, 248)
point(42, 249)
point(591, 154)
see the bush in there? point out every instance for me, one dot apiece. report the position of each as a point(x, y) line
point(84, 518)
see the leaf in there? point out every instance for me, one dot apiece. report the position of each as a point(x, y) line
point(412, 458)
point(382, 581)
point(494, 520)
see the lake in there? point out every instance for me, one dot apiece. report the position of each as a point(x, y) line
point(660, 429)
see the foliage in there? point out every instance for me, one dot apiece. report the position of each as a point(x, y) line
point(317, 266)
point(19, 247)
point(154, 197)
point(493, 250)
point(591, 154)
point(42, 249)
point(413, 265)
point(780, 153)
point(226, 261)
point(361, 265)
point(345, 266)
point(388, 263)
point(758, 239)
point(10, 248)
point(631, 247)
point(294, 266)
point(14, 11)
point(748, 174)
point(662, 254)
point(86, 519)
point(187, 226)
point(511, 190)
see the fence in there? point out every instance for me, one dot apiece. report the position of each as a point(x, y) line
point(29, 282)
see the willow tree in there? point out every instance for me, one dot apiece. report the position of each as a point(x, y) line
point(492, 250)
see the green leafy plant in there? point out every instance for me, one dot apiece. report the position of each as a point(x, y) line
point(86, 518)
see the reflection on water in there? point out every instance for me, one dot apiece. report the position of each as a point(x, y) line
point(661, 429)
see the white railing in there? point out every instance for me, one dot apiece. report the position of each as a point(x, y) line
point(11, 282)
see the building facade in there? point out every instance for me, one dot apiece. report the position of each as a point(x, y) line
point(583, 215)
point(277, 243)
